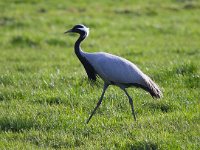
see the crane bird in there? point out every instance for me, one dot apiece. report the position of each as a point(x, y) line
point(113, 70)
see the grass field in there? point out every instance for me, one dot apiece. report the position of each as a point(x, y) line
point(45, 96)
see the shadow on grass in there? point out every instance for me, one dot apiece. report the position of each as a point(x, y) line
point(6, 80)
point(56, 42)
point(15, 124)
point(147, 11)
point(24, 69)
point(142, 145)
point(9, 95)
point(6, 21)
point(49, 100)
point(191, 5)
point(23, 41)
point(193, 81)
point(163, 107)
point(54, 140)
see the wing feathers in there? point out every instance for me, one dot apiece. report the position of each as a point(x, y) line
point(153, 88)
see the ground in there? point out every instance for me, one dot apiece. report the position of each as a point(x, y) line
point(46, 98)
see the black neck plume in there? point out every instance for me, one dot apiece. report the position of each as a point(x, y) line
point(88, 67)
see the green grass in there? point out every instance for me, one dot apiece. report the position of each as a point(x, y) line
point(45, 97)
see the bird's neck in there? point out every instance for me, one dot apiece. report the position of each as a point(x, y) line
point(77, 46)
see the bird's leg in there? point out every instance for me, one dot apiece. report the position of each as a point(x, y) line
point(131, 103)
point(99, 102)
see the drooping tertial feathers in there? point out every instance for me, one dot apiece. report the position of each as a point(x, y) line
point(153, 88)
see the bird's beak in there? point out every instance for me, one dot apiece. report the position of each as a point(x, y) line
point(68, 31)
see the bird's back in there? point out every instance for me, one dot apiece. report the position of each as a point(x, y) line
point(114, 68)
point(117, 70)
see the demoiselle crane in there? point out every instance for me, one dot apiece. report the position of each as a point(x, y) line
point(113, 70)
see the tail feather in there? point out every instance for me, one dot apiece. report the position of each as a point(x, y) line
point(153, 88)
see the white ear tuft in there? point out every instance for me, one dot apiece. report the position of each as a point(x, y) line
point(85, 29)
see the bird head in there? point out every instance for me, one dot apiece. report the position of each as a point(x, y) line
point(81, 29)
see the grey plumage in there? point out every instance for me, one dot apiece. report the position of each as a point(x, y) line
point(113, 70)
